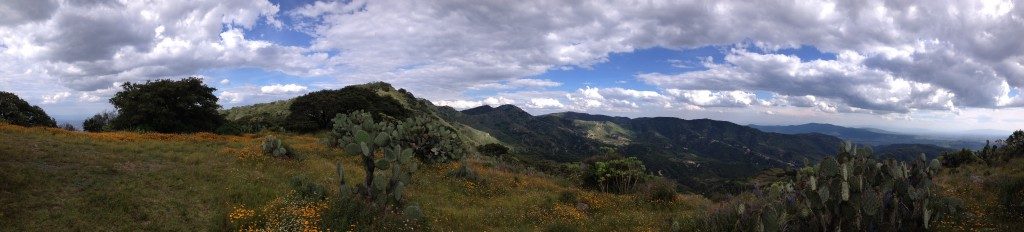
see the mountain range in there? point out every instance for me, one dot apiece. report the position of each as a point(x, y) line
point(703, 155)
point(875, 137)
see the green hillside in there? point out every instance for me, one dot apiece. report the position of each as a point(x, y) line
point(702, 155)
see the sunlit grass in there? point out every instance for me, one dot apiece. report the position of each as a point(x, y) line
point(148, 181)
point(976, 186)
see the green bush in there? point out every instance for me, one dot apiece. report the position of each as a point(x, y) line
point(167, 106)
point(233, 128)
point(315, 111)
point(99, 122)
point(619, 175)
point(307, 189)
point(492, 149)
point(956, 159)
point(16, 111)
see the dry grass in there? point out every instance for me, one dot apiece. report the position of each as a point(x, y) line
point(126, 181)
point(975, 186)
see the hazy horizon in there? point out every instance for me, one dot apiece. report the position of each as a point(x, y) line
point(932, 68)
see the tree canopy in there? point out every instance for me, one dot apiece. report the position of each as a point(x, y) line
point(314, 111)
point(16, 111)
point(168, 106)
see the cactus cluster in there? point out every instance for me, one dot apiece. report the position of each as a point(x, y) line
point(430, 139)
point(849, 192)
point(388, 166)
point(274, 147)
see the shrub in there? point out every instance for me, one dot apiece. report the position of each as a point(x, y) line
point(315, 111)
point(68, 127)
point(465, 171)
point(99, 122)
point(660, 189)
point(492, 149)
point(167, 106)
point(16, 111)
point(307, 189)
point(274, 147)
point(1011, 196)
point(621, 175)
point(956, 159)
point(234, 128)
point(568, 197)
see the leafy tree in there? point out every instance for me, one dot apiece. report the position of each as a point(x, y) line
point(1014, 144)
point(16, 111)
point(167, 106)
point(314, 111)
point(99, 122)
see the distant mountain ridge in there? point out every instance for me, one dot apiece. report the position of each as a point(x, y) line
point(697, 153)
point(869, 136)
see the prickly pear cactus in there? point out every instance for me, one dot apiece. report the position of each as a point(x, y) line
point(274, 147)
point(852, 192)
point(388, 150)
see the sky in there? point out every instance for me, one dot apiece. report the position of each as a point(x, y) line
point(909, 66)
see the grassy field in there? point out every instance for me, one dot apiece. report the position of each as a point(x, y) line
point(125, 181)
point(977, 187)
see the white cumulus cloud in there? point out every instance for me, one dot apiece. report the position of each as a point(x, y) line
point(545, 103)
point(283, 89)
